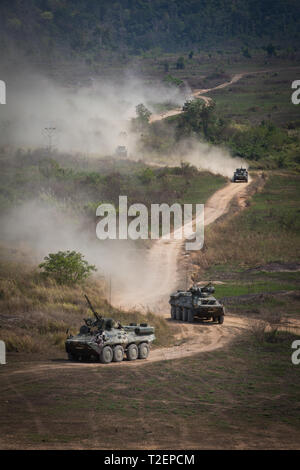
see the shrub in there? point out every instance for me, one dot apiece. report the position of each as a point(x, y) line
point(66, 267)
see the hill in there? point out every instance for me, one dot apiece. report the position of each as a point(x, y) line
point(93, 28)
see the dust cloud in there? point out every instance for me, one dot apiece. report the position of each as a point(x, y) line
point(208, 157)
point(92, 119)
point(35, 229)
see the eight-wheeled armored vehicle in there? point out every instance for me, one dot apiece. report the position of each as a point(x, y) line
point(196, 303)
point(121, 151)
point(106, 340)
point(240, 175)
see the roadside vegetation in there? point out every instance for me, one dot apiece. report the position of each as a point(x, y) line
point(254, 254)
point(253, 118)
point(74, 183)
point(36, 312)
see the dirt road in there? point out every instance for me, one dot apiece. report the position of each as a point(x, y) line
point(161, 276)
point(161, 273)
point(197, 93)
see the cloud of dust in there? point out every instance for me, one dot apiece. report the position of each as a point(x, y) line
point(35, 229)
point(208, 157)
point(91, 119)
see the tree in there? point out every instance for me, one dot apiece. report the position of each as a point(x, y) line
point(198, 114)
point(166, 66)
point(142, 112)
point(66, 267)
point(147, 176)
point(246, 53)
point(270, 50)
point(180, 63)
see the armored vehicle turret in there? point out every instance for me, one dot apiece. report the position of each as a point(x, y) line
point(240, 175)
point(196, 303)
point(106, 340)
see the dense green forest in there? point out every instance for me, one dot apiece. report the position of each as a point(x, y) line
point(90, 28)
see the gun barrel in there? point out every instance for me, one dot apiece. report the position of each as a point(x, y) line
point(91, 307)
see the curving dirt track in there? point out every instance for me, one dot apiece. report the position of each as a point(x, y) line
point(197, 93)
point(161, 273)
point(162, 265)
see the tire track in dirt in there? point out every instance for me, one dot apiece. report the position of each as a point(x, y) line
point(12, 389)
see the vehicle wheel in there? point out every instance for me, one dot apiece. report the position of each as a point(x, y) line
point(143, 351)
point(213, 319)
point(184, 314)
point(190, 316)
point(178, 313)
point(132, 352)
point(118, 353)
point(106, 355)
point(221, 319)
point(173, 313)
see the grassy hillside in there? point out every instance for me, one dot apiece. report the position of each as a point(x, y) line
point(36, 313)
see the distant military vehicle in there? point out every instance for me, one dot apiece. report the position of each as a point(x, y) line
point(196, 302)
point(121, 151)
point(106, 340)
point(240, 175)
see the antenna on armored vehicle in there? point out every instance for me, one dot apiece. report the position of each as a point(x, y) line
point(98, 317)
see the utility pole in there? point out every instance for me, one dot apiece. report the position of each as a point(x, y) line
point(186, 256)
point(49, 133)
point(109, 291)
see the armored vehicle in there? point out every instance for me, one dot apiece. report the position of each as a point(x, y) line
point(240, 175)
point(106, 340)
point(196, 303)
point(121, 151)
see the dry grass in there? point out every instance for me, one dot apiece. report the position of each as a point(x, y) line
point(267, 230)
point(35, 313)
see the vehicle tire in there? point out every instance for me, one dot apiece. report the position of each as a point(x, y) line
point(184, 314)
point(132, 352)
point(173, 313)
point(143, 350)
point(178, 313)
point(213, 319)
point(221, 319)
point(106, 355)
point(190, 316)
point(118, 353)
point(71, 357)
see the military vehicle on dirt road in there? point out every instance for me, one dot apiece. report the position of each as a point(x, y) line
point(240, 175)
point(196, 303)
point(106, 340)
